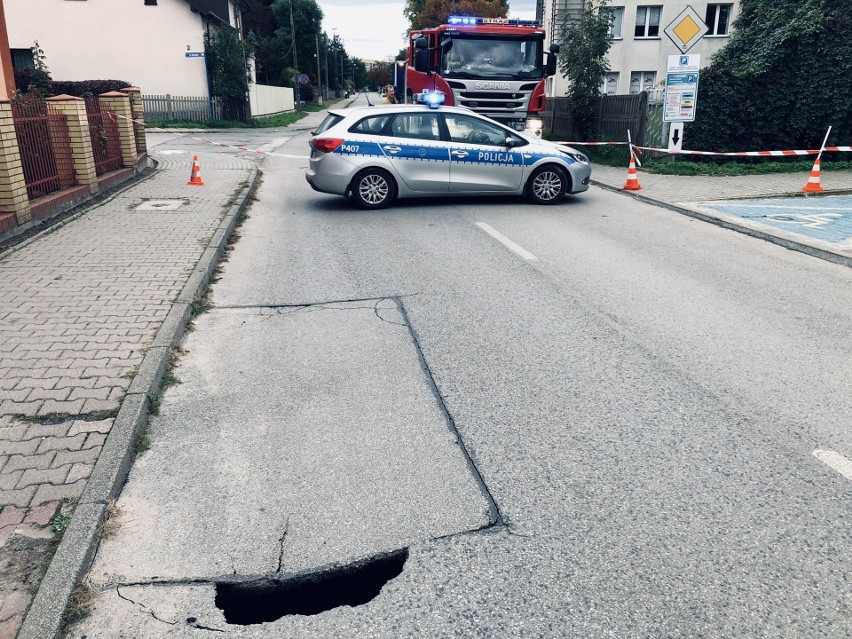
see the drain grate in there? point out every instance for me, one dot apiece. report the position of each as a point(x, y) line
point(354, 585)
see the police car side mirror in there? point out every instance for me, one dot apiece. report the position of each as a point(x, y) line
point(512, 141)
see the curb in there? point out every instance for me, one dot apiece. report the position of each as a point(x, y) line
point(791, 244)
point(45, 619)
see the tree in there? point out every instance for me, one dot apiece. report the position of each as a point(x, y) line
point(783, 78)
point(423, 14)
point(307, 25)
point(584, 44)
point(228, 60)
point(359, 73)
point(379, 75)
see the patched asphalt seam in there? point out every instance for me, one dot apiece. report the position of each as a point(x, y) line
point(494, 514)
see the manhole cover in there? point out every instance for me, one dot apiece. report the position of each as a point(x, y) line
point(160, 205)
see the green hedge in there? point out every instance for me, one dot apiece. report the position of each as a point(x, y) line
point(25, 79)
point(783, 78)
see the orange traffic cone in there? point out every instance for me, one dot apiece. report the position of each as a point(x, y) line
point(632, 183)
point(195, 178)
point(813, 185)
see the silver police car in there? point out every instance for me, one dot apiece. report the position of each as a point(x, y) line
point(376, 154)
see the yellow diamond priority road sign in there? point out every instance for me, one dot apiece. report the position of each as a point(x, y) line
point(686, 29)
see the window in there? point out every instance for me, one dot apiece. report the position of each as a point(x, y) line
point(22, 59)
point(611, 84)
point(371, 126)
point(152, 3)
point(616, 18)
point(647, 22)
point(329, 121)
point(642, 81)
point(718, 18)
point(423, 126)
point(469, 130)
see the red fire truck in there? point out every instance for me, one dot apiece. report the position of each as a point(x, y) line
point(495, 66)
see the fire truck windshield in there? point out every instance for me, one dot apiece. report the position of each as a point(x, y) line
point(505, 59)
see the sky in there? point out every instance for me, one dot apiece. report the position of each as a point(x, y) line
point(375, 29)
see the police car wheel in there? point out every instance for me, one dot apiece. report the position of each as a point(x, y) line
point(373, 189)
point(547, 185)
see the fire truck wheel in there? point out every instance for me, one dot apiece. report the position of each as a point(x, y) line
point(373, 189)
point(547, 185)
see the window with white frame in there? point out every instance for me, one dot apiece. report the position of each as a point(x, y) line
point(718, 18)
point(647, 22)
point(616, 18)
point(642, 81)
point(611, 83)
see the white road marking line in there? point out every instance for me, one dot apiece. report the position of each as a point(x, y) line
point(505, 241)
point(836, 461)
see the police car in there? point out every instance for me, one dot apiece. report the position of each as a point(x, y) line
point(376, 154)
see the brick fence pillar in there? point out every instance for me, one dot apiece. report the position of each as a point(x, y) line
point(13, 187)
point(139, 115)
point(119, 103)
point(74, 110)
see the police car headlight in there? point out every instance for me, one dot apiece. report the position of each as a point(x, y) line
point(574, 155)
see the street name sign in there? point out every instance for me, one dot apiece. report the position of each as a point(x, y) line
point(686, 29)
point(195, 54)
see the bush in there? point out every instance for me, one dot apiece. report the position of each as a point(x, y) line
point(782, 79)
point(85, 88)
point(33, 79)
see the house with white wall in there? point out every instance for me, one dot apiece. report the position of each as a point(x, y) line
point(144, 42)
point(640, 48)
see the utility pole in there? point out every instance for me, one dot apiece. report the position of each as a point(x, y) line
point(319, 77)
point(325, 41)
point(295, 58)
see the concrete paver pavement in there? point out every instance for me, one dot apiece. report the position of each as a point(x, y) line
point(80, 307)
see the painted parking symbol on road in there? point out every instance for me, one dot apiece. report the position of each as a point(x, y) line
point(826, 218)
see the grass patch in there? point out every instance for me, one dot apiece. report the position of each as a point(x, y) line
point(718, 167)
point(111, 521)
point(201, 304)
point(81, 602)
point(143, 442)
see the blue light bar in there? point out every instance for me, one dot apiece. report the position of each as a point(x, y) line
point(471, 20)
point(432, 98)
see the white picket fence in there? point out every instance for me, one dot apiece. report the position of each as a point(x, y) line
point(193, 108)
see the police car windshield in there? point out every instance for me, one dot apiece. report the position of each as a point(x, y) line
point(509, 59)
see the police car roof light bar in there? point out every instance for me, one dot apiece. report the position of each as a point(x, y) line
point(433, 99)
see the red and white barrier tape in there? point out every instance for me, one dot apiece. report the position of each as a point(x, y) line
point(712, 153)
point(219, 144)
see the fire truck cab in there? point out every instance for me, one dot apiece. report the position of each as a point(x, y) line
point(494, 66)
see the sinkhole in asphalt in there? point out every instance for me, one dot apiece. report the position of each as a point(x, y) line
point(353, 585)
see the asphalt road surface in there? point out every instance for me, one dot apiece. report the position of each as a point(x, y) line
point(622, 423)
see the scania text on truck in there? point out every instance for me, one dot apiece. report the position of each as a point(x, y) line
point(495, 66)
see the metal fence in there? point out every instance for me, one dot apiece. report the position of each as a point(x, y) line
point(641, 113)
point(103, 131)
point(44, 144)
point(194, 109)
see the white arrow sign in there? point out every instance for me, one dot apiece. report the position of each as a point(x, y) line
point(676, 137)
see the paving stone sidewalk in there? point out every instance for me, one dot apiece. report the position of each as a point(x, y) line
point(79, 306)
